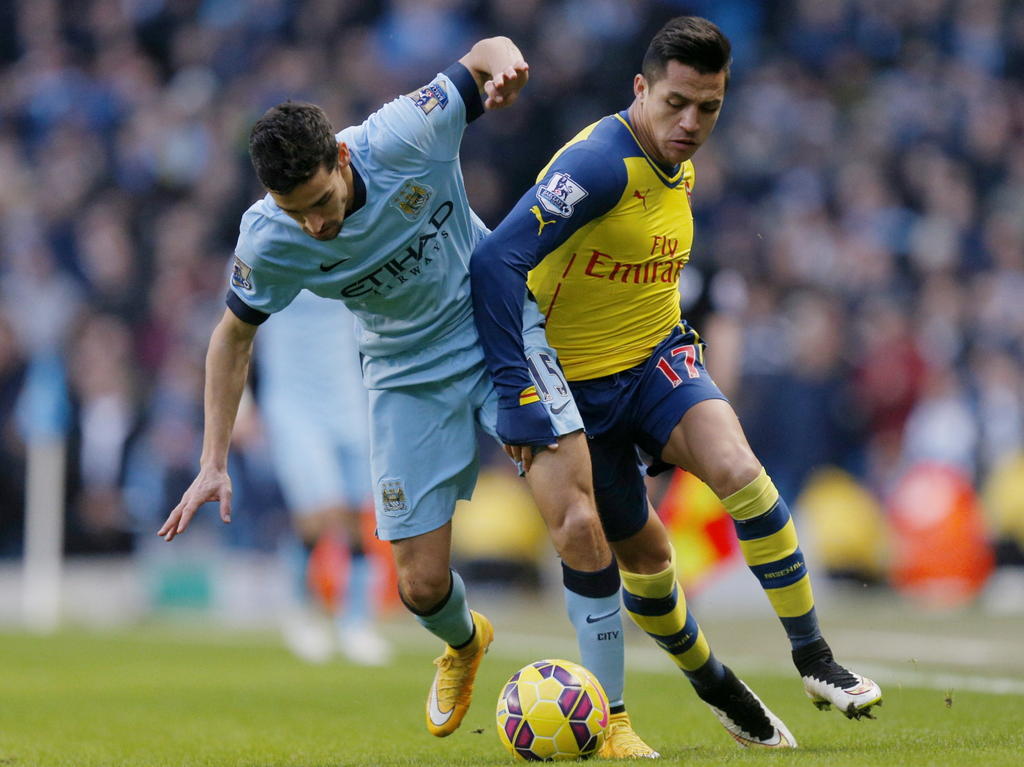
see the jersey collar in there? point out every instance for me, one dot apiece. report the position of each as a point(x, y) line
point(358, 190)
point(671, 174)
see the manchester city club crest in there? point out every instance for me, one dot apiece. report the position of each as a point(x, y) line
point(411, 199)
point(393, 500)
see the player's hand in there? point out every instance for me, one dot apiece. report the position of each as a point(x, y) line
point(503, 88)
point(524, 427)
point(209, 485)
point(523, 454)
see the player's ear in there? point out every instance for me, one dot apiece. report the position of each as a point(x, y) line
point(639, 86)
point(344, 156)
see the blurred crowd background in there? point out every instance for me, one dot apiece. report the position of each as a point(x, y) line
point(858, 268)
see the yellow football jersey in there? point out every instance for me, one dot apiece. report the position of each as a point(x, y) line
point(609, 290)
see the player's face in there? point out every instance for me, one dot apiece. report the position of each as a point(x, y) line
point(677, 111)
point(318, 205)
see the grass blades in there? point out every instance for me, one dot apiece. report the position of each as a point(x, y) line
point(149, 698)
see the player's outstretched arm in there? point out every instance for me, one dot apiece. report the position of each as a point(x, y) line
point(227, 366)
point(499, 69)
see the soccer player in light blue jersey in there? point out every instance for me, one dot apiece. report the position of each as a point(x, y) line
point(377, 217)
point(307, 362)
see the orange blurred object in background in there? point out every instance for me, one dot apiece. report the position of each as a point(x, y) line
point(940, 554)
point(327, 571)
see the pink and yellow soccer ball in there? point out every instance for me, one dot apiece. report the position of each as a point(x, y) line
point(552, 710)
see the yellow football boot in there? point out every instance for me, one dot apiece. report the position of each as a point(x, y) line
point(452, 690)
point(621, 742)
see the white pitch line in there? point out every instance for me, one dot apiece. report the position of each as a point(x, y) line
point(896, 645)
point(641, 657)
point(652, 660)
point(945, 681)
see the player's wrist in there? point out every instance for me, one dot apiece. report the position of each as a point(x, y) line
point(525, 424)
point(508, 400)
point(213, 464)
point(517, 394)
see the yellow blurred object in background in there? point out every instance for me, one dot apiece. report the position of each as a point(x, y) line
point(843, 523)
point(1003, 497)
point(500, 523)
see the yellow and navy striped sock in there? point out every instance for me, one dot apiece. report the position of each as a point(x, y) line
point(768, 540)
point(657, 604)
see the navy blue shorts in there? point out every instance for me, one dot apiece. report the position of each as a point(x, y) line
point(638, 408)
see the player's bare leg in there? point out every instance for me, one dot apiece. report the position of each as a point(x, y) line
point(648, 551)
point(562, 487)
point(709, 442)
point(563, 491)
point(436, 595)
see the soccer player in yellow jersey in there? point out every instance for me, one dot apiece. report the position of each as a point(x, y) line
point(600, 241)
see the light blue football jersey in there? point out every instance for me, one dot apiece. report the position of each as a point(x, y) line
point(400, 263)
point(307, 360)
point(314, 405)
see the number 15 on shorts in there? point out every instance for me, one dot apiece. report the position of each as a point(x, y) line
point(547, 376)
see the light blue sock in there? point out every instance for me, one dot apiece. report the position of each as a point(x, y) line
point(358, 605)
point(592, 600)
point(297, 554)
point(450, 619)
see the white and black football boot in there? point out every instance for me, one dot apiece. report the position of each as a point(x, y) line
point(829, 684)
point(743, 715)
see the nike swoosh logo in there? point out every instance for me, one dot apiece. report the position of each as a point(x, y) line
point(327, 268)
point(592, 619)
point(557, 410)
point(437, 717)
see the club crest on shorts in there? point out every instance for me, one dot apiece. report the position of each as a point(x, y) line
point(429, 97)
point(411, 199)
point(393, 500)
point(240, 272)
point(560, 194)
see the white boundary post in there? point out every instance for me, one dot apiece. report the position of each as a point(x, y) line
point(43, 418)
point(44, 534)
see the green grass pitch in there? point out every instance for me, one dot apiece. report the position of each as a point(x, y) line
point(145, 697)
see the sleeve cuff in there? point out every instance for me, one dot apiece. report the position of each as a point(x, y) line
point(466, 86)
point(243, 311)
point(509, 396)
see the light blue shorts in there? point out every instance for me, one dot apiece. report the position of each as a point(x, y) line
point(319, 463)
point(423, 437)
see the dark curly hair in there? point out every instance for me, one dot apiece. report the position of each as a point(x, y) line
point(290, 143)
point(692, 41)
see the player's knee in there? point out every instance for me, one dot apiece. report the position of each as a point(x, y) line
point(735, 467)
point(578, 537)
point(423, 590)
point(642, 560)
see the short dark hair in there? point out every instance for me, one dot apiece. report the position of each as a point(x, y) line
point(290, 143)
point(690, 40)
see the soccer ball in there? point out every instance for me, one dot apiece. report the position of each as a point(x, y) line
point(550, 710)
